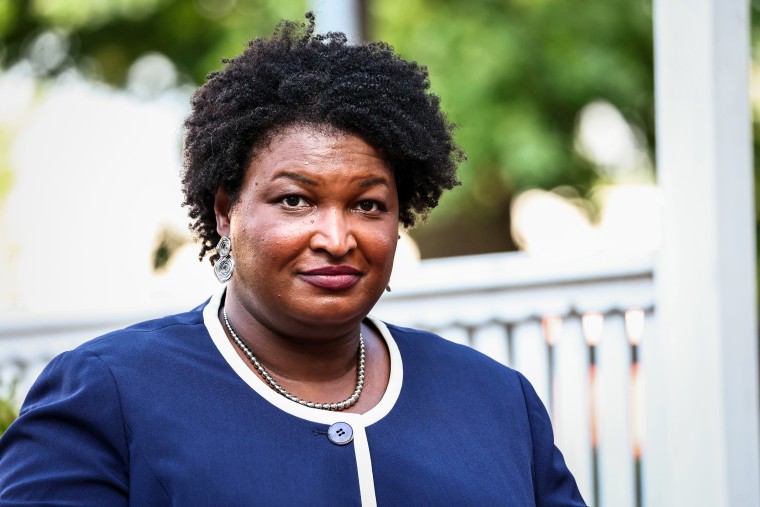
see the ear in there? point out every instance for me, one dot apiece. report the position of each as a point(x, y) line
point(222, 207)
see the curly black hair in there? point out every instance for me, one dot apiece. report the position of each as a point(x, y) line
point(299, 77)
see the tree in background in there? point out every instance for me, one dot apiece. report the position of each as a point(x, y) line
point(514, 74)
point(104, 38)
point(8, 410)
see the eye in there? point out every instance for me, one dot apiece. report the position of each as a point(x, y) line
point(293, 201)
point(369, 206)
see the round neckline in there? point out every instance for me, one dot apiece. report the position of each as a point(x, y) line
point(230, 355)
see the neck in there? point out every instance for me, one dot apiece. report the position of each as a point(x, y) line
point(316, 359)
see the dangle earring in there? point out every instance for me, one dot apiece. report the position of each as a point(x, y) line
point(224, 264)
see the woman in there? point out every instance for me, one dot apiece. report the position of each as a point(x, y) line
point(303, 156)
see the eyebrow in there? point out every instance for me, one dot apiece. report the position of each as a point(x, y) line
point(370, 182)
point(297, 177)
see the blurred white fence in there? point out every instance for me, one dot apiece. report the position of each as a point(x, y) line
point(574, 328)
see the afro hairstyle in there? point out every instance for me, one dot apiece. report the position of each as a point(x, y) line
point(297, 77)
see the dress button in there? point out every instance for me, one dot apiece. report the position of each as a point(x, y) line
point(340, 433)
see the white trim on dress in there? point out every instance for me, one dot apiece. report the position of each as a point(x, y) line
point(358, 422)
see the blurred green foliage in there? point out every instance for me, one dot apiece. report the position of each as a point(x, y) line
point(512, 73)
point(6, 172)
point(167, 243)
point(8, 414)
point(8, 411)
point(107, 36)
point(755, 37)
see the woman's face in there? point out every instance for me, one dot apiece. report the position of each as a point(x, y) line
point(314, 231)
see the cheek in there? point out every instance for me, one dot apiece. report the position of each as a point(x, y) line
point(265, 242)
point(383, 247)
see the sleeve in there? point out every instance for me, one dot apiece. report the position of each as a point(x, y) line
point(553, 483)
point(69, 444)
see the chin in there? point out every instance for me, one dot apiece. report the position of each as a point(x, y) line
point(330, 314)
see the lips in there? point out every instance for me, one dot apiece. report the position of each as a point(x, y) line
point(332, 277)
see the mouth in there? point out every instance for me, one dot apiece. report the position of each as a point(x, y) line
point(332, 277)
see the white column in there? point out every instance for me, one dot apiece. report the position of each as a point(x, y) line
point(701, 369)
point(338, 16)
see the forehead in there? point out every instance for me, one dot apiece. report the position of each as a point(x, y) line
point(316, 149)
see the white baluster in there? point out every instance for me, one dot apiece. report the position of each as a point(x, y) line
point(571, 415)
point(530, 356)
point(616, 470)
point(492, 341)
point(455, 334)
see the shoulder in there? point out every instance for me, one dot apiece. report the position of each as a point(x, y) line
point(77, 425)
point(138, 355)
point(121, 367)
point(482, 389)
point(159, 332)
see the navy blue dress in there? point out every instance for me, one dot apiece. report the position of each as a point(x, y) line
point(166, 413)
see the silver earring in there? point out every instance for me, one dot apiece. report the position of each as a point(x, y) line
point(224, 264)
point(388, 288)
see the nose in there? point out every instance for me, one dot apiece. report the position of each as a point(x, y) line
point(332, 233)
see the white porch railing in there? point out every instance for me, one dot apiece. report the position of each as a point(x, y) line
point(574, 328)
